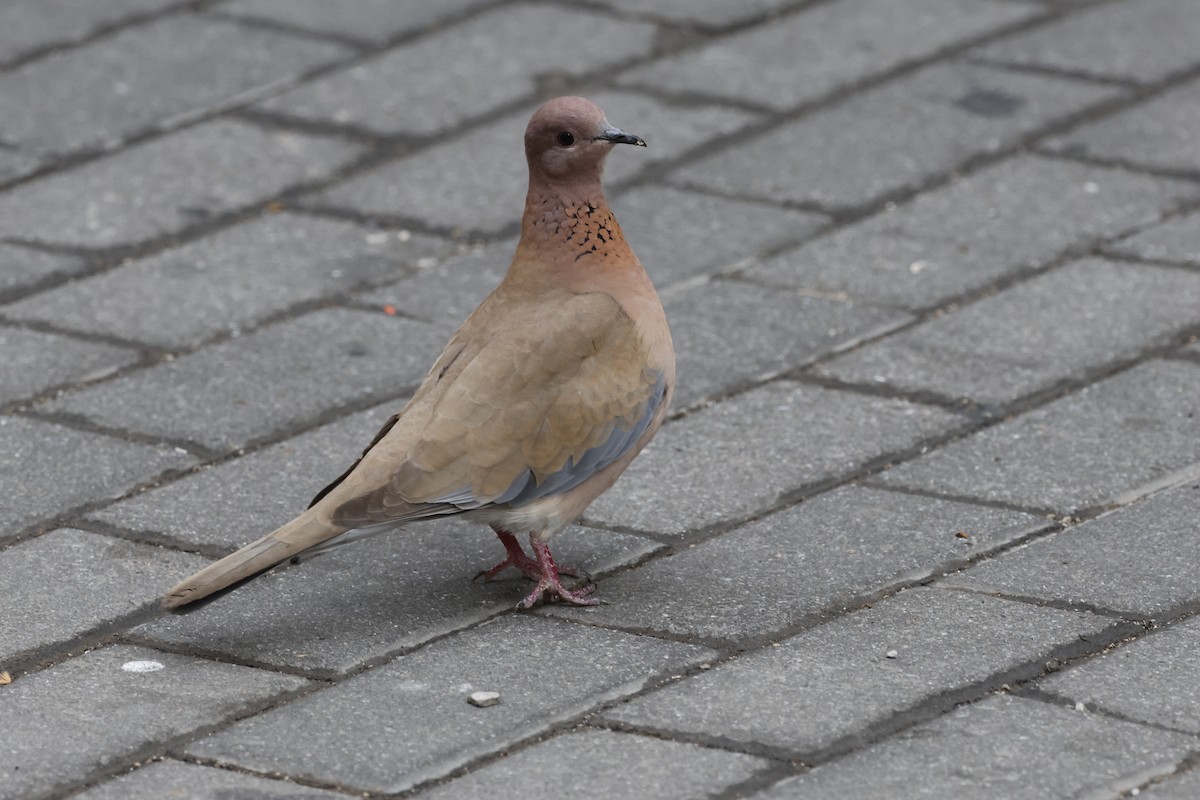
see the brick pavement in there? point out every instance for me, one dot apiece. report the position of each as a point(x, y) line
point(924, 523)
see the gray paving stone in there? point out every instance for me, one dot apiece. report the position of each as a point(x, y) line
point(447, 292)
point(411, 721)
point(167, 184)
point(737, 457)
point(671, 130)
point(818, 556)
point(1155, 133)
point(337, 611)
point(22, 268)
point(1176, 240)
point(1138, 560)
point(144, 76)
point(464, 74)
point(680, 235)
point(996, 222)
point(28, 25)
point(1152, 679)
point(704, 13)
point(728, 333)
point(582, 765)
point(1181, 787)
point(16, 163)
point(1088, 448)
point(835, 683)
point(790, 60)
point(277, 378)
point(33, 361)
point(175, 779)
point(67, 582)
point(68, 467)
point(237, 501)
point(893, 136)
point(442, 185)
point(112, 713)
point(227, 281)
point(375, 21)
point(999, 748)
point(1144, 41)
point(1055, 327)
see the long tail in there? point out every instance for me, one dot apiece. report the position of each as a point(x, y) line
point(305, 531)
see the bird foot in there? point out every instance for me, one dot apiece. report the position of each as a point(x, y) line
point(516, 558)
point(549, 585)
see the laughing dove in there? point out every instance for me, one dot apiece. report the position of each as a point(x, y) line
point(540, 400)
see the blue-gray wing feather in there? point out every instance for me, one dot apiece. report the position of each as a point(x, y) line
point(526, 488)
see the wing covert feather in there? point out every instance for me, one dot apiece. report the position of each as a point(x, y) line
point(526, 408)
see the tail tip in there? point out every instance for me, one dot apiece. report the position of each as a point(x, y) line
point(175, 598)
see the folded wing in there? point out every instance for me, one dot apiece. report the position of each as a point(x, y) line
point(526, 411)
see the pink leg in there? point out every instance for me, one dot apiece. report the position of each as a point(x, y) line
point(517, 558)
point(550, 586)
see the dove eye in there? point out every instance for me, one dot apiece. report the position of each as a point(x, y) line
point(566, 139)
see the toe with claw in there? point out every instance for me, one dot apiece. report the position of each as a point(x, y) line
point(549, 585)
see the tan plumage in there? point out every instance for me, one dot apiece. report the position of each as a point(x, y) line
point(539, 401)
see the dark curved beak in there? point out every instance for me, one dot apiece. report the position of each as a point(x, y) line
point(618, 136)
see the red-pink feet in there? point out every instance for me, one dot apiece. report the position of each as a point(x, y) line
point(516, 558)
point(549, 586)
point(542, 570)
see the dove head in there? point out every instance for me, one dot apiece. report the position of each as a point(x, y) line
point(566, 214)
point(567, 140)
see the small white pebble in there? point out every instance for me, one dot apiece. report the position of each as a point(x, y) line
point(426, 263)
point(892, 654)
point(483, 699)
point(1091, 188)
point(142, 666)
point(917, 267)
point(377, 238)
point(1079, 706)
point(403, 235)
